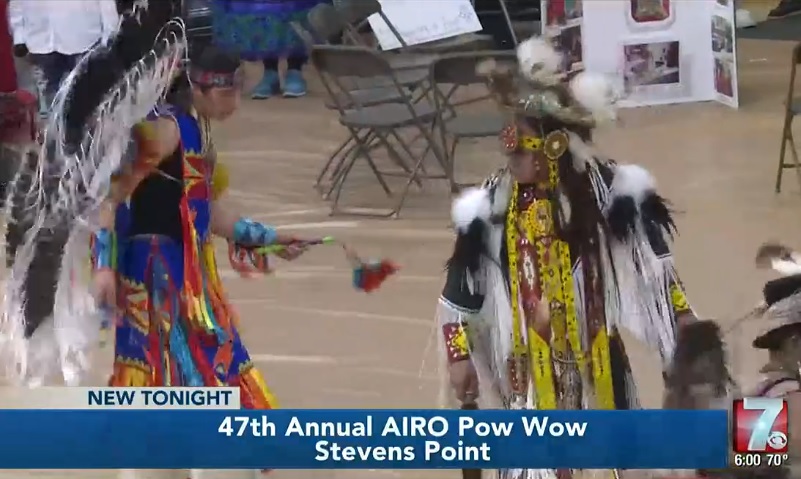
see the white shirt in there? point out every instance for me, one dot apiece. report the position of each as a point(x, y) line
point(62, 26)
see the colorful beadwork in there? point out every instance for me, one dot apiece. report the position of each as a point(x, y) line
point(555, 144)
point(457, 344)
point(104, 253)
point(509, 138)
point(678, 299)
point(251, 233)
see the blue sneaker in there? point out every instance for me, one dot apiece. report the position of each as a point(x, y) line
point(267, 87)
point(294, 84)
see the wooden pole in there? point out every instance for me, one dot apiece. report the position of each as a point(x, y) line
point(470, 473)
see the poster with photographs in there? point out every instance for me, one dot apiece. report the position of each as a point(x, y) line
point(724, 54)
point(660, 51)
point(563, 25)
point(652, 70)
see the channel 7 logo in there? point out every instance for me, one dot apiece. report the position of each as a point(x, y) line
point(760, 425)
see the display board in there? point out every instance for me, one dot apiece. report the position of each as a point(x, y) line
point(658, 51)
point(420, 22)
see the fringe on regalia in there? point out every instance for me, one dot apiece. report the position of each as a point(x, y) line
point(113, 87)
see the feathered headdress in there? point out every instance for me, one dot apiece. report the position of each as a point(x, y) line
point(113, 87)
point(539, 89)
point(782, 296)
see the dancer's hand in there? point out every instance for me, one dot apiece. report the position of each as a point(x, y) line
point(104, 282)
point(464, 380)
point(292, 251)
point(286, 240)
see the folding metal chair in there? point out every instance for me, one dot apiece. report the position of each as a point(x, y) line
point(369, 96)
point(327, 21)
point(792, 108)
point(382, 122)
point(449, 74)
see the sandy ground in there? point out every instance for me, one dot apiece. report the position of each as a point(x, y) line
point(321, 344)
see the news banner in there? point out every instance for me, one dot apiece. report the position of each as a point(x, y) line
point(206, 428)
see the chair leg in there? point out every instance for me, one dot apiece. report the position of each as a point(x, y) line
point(330, 162)
point(435, 149)
point(786, 131)
point(362, 147)
point(343, 174)
point(451, 159)
point(794, 154)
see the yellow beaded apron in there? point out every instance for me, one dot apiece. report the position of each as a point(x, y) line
point(540, 268)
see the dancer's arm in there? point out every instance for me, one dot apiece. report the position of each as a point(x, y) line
point(458, 303)
point(229, 223)
point(153, 141)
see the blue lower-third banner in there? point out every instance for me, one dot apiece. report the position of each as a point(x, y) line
point(353, 439)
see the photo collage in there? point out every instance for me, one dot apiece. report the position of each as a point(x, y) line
point(723, 51)
point(651, 56)
point(562, 20)
point(658, 52)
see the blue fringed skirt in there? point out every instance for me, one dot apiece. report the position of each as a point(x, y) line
point(259, 29)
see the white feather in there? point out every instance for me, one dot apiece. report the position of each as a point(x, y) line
point(473, 203)
point(596, 93)
point(787, 267)
point(539, 61)
point(634, 181)
point(582, 153)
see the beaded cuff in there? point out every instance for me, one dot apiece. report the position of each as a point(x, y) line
point(250, 233)
point(678, 299)
point(457, 345)
point(104, 247)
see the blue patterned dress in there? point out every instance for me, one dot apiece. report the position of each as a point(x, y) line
point(260, 29)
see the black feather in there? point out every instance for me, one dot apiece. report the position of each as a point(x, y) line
point(656, 210)
point(469, 248)
point(781, 288)
point(622, 217)
point(696, 339)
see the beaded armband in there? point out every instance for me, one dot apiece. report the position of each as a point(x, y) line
point(250, 233)
point(678, 299)
point(457, 344)
point(104, 245)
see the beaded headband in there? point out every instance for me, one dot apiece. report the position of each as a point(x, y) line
point(210, 79)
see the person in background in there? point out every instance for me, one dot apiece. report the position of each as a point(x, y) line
point(260, 30)
point(53, 34)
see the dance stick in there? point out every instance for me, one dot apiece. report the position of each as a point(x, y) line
point(470, 405)
point(367, 275)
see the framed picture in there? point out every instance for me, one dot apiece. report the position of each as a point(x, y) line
point(650, 14)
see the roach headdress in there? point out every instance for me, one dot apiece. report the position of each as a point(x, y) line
point(782, 296)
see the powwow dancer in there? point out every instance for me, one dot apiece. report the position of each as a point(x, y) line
point(554, 254)
point(780, 337)
point(149, 205)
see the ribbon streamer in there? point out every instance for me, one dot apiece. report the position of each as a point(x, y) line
point(368, 276)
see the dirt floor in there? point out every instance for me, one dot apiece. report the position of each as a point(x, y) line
point(321, 344)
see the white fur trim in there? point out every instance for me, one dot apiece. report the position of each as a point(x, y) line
point(473, 203)
point(634, 181)
point(786, 267)
point(539, 61)
point(597, 94)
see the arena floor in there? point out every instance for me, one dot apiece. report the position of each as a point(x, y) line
point(321, 344)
